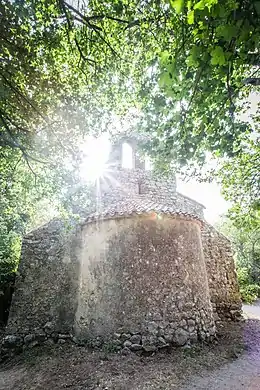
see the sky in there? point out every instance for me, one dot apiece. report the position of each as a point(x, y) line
point(208, 194)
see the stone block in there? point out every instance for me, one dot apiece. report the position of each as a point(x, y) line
point(29, 338)
point(127, 344)
point(125, 351)
point(181, 337)
point(135, 339)
point(136, 347)
point(12, 341)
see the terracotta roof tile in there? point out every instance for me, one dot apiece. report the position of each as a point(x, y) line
point(143, 205)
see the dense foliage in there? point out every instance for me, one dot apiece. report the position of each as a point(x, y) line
point(67, 68)
point(200, 88)
point(246, 244)
point(42, 119)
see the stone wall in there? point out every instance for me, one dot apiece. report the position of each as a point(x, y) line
point(46, 286)
point(143, 281)
point(140, 282)
point(222, 278)
point(120, 183)
point(126, 186)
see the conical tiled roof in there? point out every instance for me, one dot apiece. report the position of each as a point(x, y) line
point(145, 204)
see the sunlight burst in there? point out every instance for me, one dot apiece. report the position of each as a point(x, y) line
point(95, 153)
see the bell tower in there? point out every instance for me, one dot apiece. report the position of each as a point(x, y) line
point(116, 157)
point(124, 184)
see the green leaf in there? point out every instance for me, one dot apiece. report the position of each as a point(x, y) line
point(227, 31)
point(165, 79)
point(177, 5)
point(164, 57)
point(190, 17)
point(200, 5)
point(257, 7)
point(193, 58)
point(218, 56)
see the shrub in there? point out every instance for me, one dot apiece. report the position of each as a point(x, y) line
point(249, 291)
point(10, 248)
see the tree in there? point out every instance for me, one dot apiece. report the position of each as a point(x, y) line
point(57, 60)
point(200, 85)
point(205, 54)
point(66, 68)
point(203, 75)
point(246, 244)
point(239, 177)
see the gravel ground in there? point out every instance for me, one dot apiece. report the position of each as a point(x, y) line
point(243, 373)
point(252, 311)
point(232, 363)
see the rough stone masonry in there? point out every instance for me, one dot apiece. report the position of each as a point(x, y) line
point(141, 272)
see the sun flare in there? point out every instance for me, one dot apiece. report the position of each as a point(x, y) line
point(95, 153)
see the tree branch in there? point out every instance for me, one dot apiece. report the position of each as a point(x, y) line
point(18, 92)
point(252, 81)
point(83, 17)
point(12, 142)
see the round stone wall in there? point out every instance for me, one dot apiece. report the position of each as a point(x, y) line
point(143, 283)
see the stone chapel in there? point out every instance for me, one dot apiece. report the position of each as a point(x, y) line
point(143, 270)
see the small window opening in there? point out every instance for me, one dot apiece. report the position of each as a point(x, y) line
point(127, 156)
point(148, 165)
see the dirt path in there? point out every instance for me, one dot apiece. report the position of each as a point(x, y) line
point(209, 367)
point(243, 373)
point(252, 311)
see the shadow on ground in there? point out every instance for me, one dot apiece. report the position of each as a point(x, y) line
point(77, 368)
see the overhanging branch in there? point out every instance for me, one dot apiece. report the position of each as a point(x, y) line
point(252, 81)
